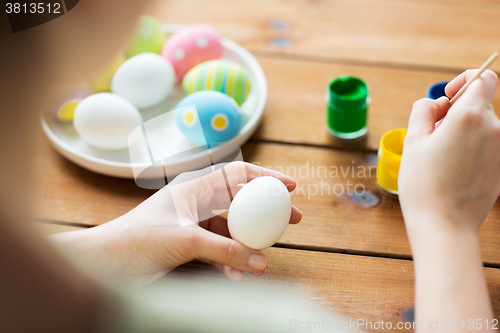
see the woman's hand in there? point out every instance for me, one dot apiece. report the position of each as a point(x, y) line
point(451, 172)
point(448, 181)
point(174, 226)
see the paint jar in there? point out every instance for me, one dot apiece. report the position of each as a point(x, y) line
point(347, 101)
point(436, 90)
point(389, 159)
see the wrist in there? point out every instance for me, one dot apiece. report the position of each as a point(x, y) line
point(89, 250)
point(430, 227)
point(439, 218)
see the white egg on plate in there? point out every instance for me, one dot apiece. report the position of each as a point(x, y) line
point(106, 120)
point(144, 80)
point(259, 213)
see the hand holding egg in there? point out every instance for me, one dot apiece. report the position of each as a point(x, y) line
point(207, 240)
point(259, 214)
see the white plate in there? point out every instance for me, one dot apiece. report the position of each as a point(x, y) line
point(117, 163)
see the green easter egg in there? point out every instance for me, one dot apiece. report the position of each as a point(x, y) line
point(221, 75)
point(146, 37)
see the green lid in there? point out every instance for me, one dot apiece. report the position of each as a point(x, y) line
point(348, 92)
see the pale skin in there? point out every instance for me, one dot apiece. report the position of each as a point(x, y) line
point(443, 208)
point(149, 241)
point(448, 182)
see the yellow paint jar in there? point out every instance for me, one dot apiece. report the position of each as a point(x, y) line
point(389, 159)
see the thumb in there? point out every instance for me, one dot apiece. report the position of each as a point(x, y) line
point(424, 115)
point(216, 248)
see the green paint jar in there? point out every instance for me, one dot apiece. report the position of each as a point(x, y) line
point(347, 102)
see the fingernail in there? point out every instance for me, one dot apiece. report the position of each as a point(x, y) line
point(257, 262)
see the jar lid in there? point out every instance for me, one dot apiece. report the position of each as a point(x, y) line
point(436, 90)
point(348, 92)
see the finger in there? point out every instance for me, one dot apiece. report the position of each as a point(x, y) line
point(210, 246)
point(424, 115)
point(295, 216)
point(232, 273)
point(478, 95)
point(454, 85)
point(210, 189)
point(220, 177)
point(258, 273)
point(254, 171)
point(242, 173)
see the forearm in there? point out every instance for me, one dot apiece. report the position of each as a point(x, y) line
point(449, 280)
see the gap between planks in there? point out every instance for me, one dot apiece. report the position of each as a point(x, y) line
point(344, 148)
point(358, 62)
point(311, 248)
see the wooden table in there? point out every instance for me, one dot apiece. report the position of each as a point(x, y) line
point(350, 252)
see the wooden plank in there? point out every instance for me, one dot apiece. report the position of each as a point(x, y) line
point(358, 287)
point(402, 33)
point(370, 224)
point(355, 286)
point(296, 111)
point(464, 4)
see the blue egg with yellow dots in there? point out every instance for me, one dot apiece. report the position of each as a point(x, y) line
point(215, 119)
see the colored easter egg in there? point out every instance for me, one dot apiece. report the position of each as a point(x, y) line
point(146, 37)
point(191, 46)
point(221, 75)
point(102, 82)
point(64, 104)
point(145, 80)
point(217, 113)
point(105, 121)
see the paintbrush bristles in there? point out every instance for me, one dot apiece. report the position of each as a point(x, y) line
point(486, 64)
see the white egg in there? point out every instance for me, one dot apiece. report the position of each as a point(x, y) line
point(145, 80)
point(259, 213)
point(106, 120)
